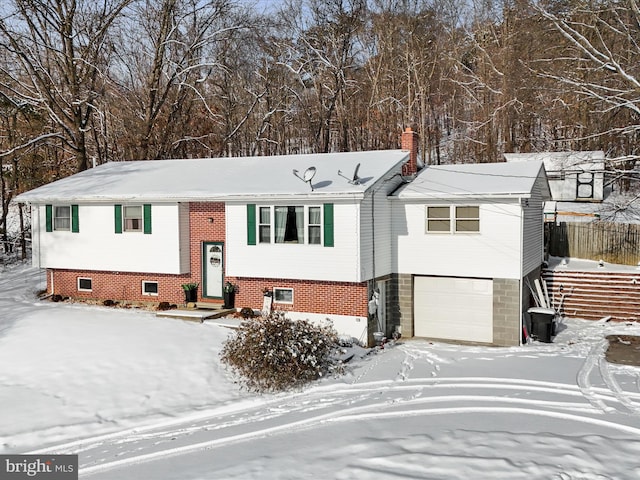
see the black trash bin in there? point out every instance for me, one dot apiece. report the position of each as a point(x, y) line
point(542, 323)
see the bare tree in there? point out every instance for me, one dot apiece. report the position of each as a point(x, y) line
point(600, 62)
point(60, 48)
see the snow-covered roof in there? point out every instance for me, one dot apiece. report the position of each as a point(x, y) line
point(474, 180)
point(226, 178)
point(562, 161)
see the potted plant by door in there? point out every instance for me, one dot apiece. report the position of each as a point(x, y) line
point(190, 292)
point(229, 291)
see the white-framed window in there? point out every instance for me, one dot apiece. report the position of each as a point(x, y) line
point(292, 224)
point(85, 284)
point(283, 295)
point(62, 218)
point(453, 219)
point(467, 219)
point(150, 288)
point(438, 219)
point(132, 218)
point(314, 225)
point(264, 225)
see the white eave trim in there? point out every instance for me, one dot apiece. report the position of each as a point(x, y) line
point(311, 196)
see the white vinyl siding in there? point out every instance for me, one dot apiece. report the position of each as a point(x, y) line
point(494, 253)
point(533, 230)
point(376, 219)
point(294, 260)
point(98, 247)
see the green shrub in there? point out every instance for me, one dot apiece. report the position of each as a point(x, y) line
point(275, 353)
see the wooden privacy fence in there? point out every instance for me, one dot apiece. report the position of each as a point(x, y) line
point(611, 242)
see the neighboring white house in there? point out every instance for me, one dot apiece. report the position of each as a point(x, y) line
point(468, 238)
point(361, 242)
point(573, 176)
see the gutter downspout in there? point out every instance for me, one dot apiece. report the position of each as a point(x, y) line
point(521, 281)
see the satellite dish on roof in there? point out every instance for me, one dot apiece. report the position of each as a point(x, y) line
point(307, 176)
point(355, 179)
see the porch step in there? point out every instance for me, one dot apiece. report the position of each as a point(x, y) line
point(197, 313)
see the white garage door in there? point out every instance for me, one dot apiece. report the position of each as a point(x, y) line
point(453, 308)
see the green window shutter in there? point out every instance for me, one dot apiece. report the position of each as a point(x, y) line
point(251, 224)
point(328, 224)
point(146, 214)
point(118, 217)
point(75, 227)
point(49, 217)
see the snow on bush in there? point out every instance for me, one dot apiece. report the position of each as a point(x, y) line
point(274, 353)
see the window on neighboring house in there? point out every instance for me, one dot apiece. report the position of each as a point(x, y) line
point(283, 295)
point(314, 225)
point(453, 219)
point(150, 288)
point(557, 175)
point(467, 219)
point(585, 182)
point(264, 226)
point(85, 284)
point(438, 219)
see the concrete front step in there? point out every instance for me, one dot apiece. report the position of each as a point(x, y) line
point(196, 313)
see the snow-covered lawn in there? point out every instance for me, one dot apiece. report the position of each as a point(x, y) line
point(140, 397)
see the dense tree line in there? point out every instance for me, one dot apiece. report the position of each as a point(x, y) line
point(84, 82)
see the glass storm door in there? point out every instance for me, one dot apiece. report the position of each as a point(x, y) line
point(213, 271)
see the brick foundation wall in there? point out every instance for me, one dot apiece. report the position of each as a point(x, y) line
point(117, 286)
point(331, 298)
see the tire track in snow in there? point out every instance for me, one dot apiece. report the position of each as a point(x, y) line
point(357, 414)
point(596, 363)
point(314, 407)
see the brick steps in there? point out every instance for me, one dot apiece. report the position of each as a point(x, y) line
point(593, 295)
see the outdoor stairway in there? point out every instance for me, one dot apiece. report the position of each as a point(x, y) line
point(593, 295)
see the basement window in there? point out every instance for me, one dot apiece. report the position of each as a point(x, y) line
point(150, 288)
point(85, 284)
point(283, 295)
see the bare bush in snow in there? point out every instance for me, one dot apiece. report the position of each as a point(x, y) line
point(274, 353)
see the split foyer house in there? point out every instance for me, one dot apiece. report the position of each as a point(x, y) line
point(352, 237)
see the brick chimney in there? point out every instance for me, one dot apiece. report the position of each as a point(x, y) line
point(410, 143)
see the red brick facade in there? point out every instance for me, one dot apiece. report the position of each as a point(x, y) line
point(409, 142)
point(207, 224)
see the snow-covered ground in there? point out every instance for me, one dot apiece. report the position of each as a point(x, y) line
point(140, 397)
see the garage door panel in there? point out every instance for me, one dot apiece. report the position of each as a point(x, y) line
point(454, 308)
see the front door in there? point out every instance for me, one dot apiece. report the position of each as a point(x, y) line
point(212, 269)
